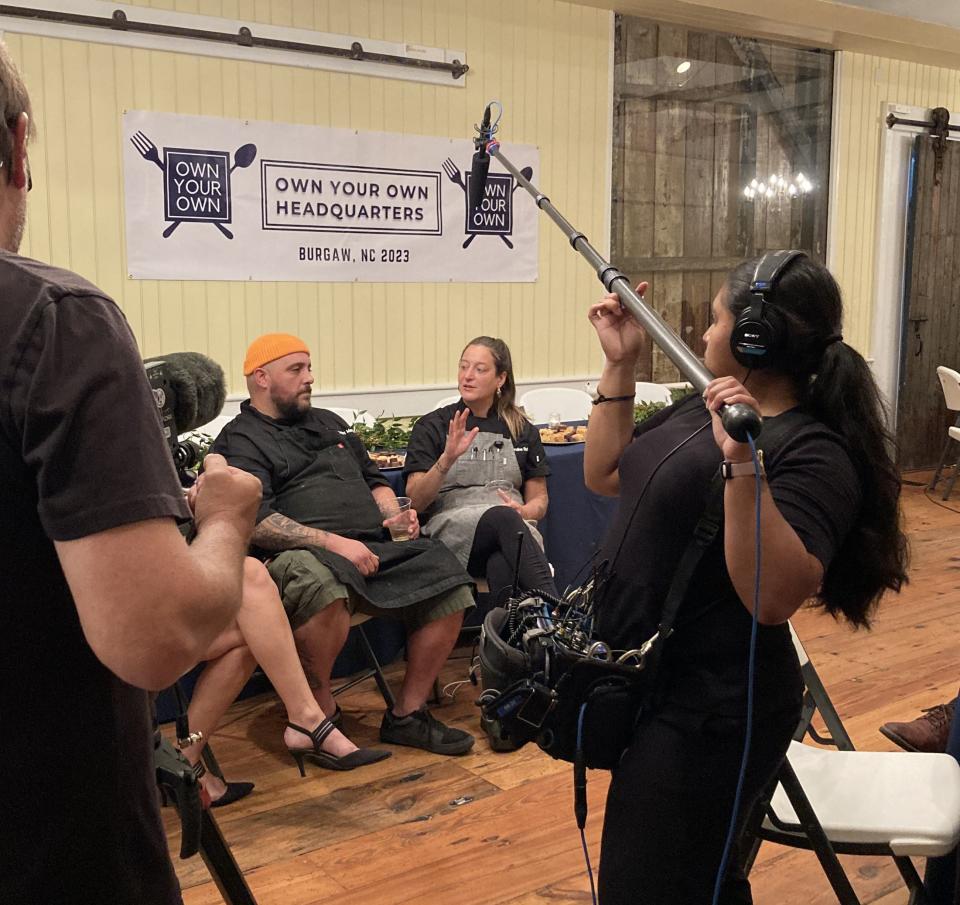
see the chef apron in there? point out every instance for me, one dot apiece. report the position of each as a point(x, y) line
point(463, 496)
point(332, 495)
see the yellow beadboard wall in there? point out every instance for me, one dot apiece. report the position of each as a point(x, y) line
point(547, 61)
point(865, 85)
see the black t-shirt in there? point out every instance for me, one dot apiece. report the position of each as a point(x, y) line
point(815, 488)
point(281, 451)
point(81, 451)
point(429, 436)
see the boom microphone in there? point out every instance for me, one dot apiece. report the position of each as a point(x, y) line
point(197, 388)
point(481, 162)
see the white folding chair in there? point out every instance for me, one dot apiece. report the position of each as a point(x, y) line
point(950, 382)
point(447, 400)
point(838, 800)
point(652, 392)
point(567, 404)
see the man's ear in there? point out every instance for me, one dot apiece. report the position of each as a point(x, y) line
point(19, 169)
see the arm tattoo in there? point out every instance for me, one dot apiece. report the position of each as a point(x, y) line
point(277, 532)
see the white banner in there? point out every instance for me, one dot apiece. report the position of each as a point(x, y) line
point(219, 199)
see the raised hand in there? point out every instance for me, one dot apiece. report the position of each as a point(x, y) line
point(621, 337)
point(728, 391)
point(458, 439)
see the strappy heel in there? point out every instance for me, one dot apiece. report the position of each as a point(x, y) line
point(235, 790)
point(359, 758)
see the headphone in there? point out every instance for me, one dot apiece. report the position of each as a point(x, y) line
point(759, 331)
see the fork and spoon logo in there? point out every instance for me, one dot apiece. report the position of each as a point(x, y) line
point(494, 216)
point(196, 185)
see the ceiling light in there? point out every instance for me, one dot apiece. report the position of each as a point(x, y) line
point(684, 67)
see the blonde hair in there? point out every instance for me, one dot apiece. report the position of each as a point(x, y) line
point(504, 401)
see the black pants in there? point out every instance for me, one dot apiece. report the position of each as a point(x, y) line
point(494, 554)
point(669, 804)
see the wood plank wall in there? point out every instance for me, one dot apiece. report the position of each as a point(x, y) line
point(684, 151)
point(548, 62)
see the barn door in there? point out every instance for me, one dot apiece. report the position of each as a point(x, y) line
point(931, 325)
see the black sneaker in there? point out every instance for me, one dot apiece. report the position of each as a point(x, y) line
point(421, 729)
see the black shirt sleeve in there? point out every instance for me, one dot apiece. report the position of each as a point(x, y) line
point(536, 464)
point(816, 488)
point(240, 449)
point(427, 440)
point(89, 426)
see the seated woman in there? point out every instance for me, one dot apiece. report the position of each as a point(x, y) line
point(261, 634)
point(457, 450)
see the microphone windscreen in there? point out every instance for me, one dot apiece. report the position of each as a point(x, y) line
point(478, 179)
point(199, 388)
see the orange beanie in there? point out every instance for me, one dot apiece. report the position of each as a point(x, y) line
point(270, 347)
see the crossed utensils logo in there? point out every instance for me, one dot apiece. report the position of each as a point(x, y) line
point(494, 215)
point(196, 183)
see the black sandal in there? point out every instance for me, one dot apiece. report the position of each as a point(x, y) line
point(359, 758)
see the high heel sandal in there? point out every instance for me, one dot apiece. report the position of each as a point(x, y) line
point(359, 758)
point(234, 792)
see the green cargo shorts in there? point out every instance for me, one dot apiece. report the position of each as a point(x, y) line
point(307, 586)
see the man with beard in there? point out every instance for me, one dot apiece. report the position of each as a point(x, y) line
point(100, 596)
point(320, 524)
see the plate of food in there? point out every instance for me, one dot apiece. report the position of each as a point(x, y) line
point(563, 434)
point(388, 458)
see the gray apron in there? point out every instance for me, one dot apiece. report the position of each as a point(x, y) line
point(332, 495)
point(463, 497)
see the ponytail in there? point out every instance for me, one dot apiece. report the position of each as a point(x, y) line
point(837, 388)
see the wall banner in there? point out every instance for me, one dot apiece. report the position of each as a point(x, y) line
point(219, 199)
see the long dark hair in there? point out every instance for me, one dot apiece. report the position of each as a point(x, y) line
point(504, 401)
point(836, 387)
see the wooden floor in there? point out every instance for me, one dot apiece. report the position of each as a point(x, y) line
point(498, 828)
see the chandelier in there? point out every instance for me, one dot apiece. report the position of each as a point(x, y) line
point(777, 187)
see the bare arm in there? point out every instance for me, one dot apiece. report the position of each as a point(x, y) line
point(610, 431)
point(423, 486)
point(277, 533)
point(535, 499)
point(150, 605)
point(611, 423)
point(789, 574)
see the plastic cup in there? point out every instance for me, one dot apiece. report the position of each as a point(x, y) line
point(397, 515)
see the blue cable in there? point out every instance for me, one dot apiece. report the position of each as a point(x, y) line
point(750, 682)
point(583, 834)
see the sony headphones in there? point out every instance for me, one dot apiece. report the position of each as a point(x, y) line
point(759, 332)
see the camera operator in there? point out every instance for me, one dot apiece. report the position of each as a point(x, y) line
point(99, 594)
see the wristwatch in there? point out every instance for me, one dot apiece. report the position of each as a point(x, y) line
point(598, 397)
point(730, 470)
